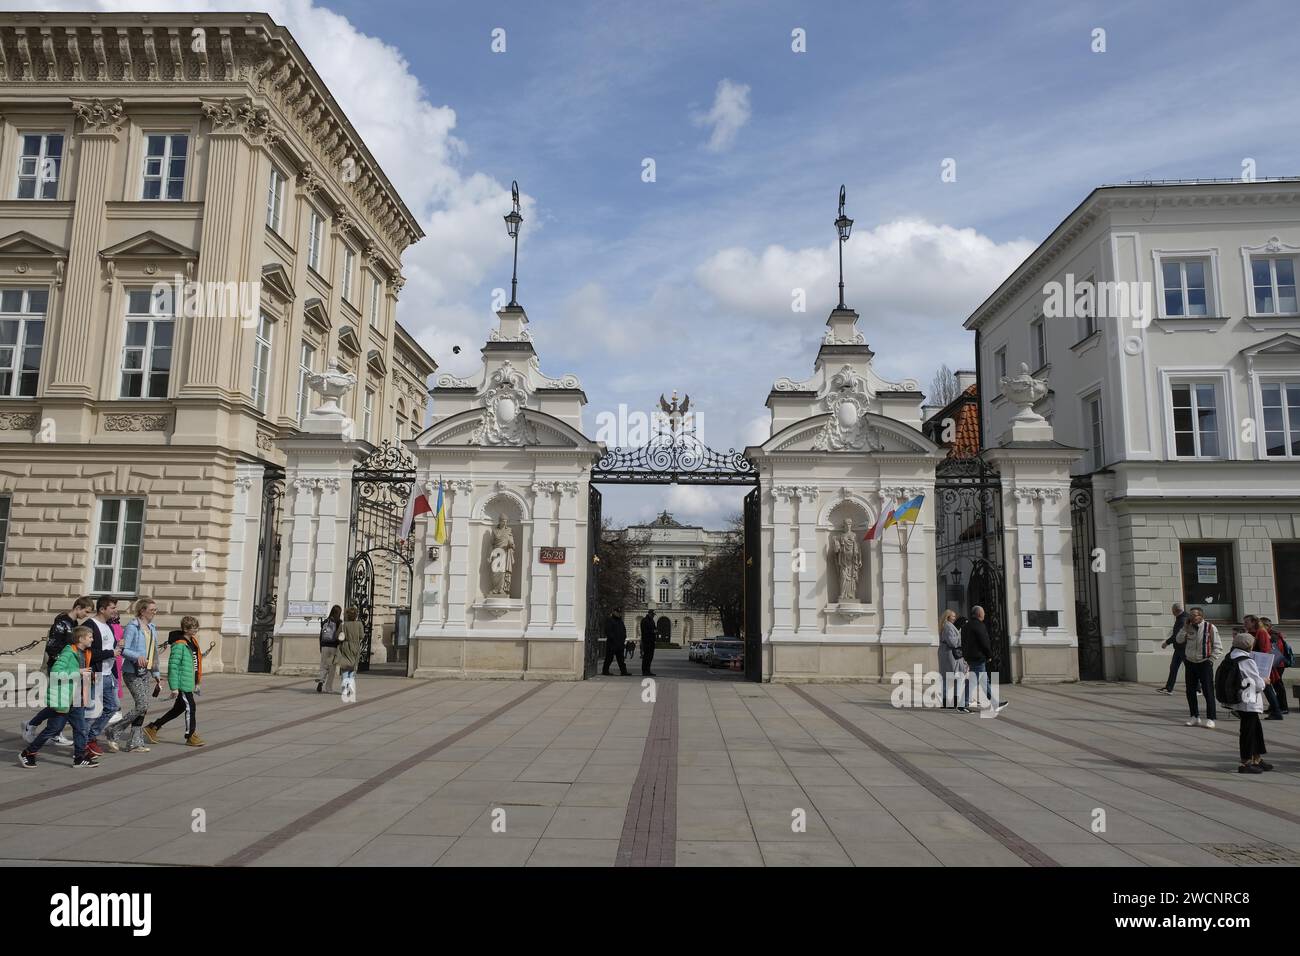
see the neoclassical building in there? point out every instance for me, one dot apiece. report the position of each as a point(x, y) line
point(674, 552)
point(139, 430)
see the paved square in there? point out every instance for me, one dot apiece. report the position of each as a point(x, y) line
point(713, 772)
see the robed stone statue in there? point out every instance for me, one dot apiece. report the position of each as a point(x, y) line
point(848, 561)
point(502, 558)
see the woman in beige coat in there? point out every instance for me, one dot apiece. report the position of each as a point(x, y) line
point(349, 652)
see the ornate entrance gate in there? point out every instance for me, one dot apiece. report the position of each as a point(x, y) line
point(674, 455)
point(262, 630)
point(380, 563)
point(1092, 665)
point(968, 548)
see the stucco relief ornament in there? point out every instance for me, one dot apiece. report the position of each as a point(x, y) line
point(100, 116)
point(1024, 391)
point(847, 400)
point(503, 421)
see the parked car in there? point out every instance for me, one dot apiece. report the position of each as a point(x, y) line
point(698, 650)
point(726, 654)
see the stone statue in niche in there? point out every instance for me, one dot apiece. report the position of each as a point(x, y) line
point(848, 561)
point(502, 558)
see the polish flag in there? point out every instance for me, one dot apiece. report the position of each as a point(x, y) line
point(416, 505)
point(885, 511)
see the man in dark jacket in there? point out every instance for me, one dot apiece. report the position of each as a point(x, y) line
point(648, 635)
point(1177, 639)
point(615, 638)
point(976, 650)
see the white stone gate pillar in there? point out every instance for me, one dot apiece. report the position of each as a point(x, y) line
point(566, 590)
point(782, 578)
point(241, 566)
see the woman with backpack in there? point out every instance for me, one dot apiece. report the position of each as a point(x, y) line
point(330, 636)
point(1241, 686)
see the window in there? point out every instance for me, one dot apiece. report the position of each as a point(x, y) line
point(639, 563)
point(22, 333)
point(1274, 283)
point(39, 164)
point(262, 361)
point(275, 200)
point(663, 591)
point(5, 501)
point(117, 546)
point(1000, 362)
point(349, 272)
point(315, 235)
point(1196, 419)
point(1038, 342)
point(664, 561)
point(306, 366)
point(1281, 403)
point(1286, 572)
point(1209, 581)
point(640, 593)
point(147, 352)
point(1183, 286)
point(374, 302)
point(164, 165)
point(369, 413)
point(1092, 427)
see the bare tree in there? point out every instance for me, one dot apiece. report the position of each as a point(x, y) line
point(943, 387)
point(616, 577)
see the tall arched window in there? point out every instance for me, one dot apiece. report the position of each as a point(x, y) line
point(663, 591)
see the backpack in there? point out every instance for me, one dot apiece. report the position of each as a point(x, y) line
point(1227, 681)
point(1288, 659)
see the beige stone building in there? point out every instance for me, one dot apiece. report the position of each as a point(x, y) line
point(142, 157)
point(674, 553)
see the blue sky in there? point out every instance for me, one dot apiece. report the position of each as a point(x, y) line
point(686, 282)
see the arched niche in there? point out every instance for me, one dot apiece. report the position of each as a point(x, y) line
point(501, 518)
point(857, 514)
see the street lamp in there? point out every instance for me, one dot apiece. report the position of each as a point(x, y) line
point(512, 230)
point(843, 226)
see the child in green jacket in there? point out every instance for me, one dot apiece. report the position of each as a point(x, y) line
point(184, 672)
point(68, 696)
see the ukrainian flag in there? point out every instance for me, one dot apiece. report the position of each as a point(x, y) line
point(440, 518)
point(907, 511)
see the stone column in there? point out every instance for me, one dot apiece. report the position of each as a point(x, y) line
point(807, 610)
point(783, 599)
point(426, 610)
point(458, 509)
point(566, 591)
point(72, 339)
point(543, 579)
point(245, 526)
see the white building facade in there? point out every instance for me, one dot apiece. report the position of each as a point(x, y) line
point(1164, 319)
point(673, 555)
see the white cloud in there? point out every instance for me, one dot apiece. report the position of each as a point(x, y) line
point(730, 112)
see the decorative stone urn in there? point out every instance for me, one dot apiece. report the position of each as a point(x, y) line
point(328, 418)
point(1024, 391)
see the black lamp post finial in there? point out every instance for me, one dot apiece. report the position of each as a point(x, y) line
point(512, 230)
point(843, 226)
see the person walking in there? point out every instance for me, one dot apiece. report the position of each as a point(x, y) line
point(105, 641)
point(1264, 645)
point(1248, 689)
point(1175, 638)
point(615, 639)
point(184, 674)
point(59, 637)
point(951, 663)
point(630, 649)
point(140, 675)
point(648, 635)
point(69, 691)
point(348, 656)
point(1285, 659)
point(1201, 649)
point(330, 636)
point(976, 650)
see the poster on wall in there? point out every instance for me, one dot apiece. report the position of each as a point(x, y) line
point(1207, 569)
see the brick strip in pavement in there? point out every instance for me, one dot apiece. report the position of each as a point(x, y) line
point(1020, 847)
point(87, 779)
point(649, 835)
point(266, 844)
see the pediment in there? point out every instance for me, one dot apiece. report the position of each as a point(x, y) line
point(148, 245)
point(1284, 344)
point(348, 339)
point(276, 279)
point(313, 310)
point(883, 435)
point(545, 432)
point(23, 243)
point(375, 361)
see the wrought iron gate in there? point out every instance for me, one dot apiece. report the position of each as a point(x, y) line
point(262, 630)
point(380, 563)
point(595, 617)
point(753, 552)
point(1087, 603)
point(969, 547)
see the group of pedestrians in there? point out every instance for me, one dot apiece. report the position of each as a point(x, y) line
point(91, 658)
point(1238, 683)
point(616, 643)
point(340, 650)
point(966, 651)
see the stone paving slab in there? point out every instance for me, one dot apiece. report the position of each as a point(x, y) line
point(719, 773)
